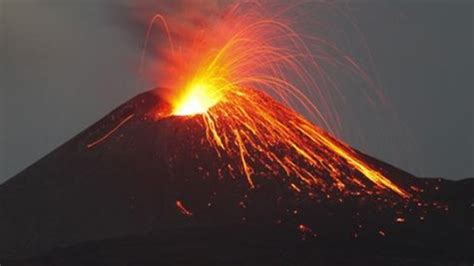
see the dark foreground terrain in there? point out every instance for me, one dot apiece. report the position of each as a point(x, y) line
point(245, 248)
point(151, 193)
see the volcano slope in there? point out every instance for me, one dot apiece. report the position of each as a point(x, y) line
point(136, 190)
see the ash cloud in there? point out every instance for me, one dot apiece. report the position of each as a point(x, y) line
point(181, 20)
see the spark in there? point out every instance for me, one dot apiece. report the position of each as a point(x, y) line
point(296, 188)
point(400, 220)
point(306, 230)
point(182, 209)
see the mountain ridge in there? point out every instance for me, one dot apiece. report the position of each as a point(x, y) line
point(128, 184)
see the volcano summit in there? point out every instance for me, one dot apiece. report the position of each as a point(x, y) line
point(143, 187)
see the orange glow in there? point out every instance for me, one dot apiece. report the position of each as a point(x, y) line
point(196, 100)
point(182, 209)
point(400, 220)
point(229, 71)
point(304, 229)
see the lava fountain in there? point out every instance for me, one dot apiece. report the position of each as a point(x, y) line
point(223, 77)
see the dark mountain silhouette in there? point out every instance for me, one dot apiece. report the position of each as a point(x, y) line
point(131, 190)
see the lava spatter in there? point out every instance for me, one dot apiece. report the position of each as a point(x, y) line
point(226, 74)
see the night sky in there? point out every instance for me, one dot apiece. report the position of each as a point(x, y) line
point(65, 64)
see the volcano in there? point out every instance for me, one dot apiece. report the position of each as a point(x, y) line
point(140, 187)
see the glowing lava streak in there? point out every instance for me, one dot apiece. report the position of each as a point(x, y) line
point(230, 69)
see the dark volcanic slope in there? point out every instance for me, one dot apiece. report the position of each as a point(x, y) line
point(117, 202)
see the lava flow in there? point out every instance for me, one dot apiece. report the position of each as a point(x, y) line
point(224, 75)
point(247, 125)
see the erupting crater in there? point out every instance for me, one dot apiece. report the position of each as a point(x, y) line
point(196, 100)
point(224, 76)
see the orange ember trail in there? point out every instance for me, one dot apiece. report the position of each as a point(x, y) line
point(182, 209)
point(225, 79)
point(112, 131)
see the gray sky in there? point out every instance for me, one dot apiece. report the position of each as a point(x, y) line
point(65, 64)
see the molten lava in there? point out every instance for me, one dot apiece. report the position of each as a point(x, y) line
point(229, 68)
point(250, 126)
point(196, 100)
